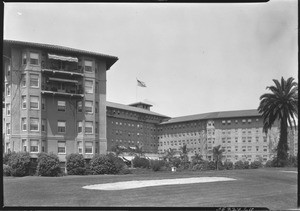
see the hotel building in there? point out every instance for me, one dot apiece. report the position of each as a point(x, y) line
point(55, 101)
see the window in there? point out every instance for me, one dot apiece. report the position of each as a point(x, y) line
point(243, 121)
point(88, 146)
point(88, 127)
point(97, 127)
point(88, 107)
point(7, 128)
point(43, 145)
point(88, 66)
point(223, 122)
point(34, 145)
point(265, 139)
point(61, 105)
point(61, 126)
point(236, 121)
point(79, 106)
point(43, 103)
point(43, 125)
point(34, 58)
point(249, 121)
point(88, 86)
point(24, 58)
point(24, 103)
point(34, 102)
point(96, 107)
point(97, 87)
point(23, 82)
point(8, 70)
point(8, 109)
point(8, 147)
point(24, 145)
point(79, 144)
point(34, 124)
point(34, 80)
point(228, 122)
point(61, 147)
point(79, 127)
point(7, 90)
point(24, 123)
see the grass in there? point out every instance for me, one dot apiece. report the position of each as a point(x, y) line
point(270, 188)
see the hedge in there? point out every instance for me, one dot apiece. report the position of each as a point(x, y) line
point(19, 163)
point(48, 165)
point(75, 164)
point(140, 162)
point(101, 164)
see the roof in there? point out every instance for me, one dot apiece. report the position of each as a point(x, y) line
point(139, 103)
point(215, 115)
point(135, 109)
point(110, 60)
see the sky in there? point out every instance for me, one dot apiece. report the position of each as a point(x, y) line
point(193, 57)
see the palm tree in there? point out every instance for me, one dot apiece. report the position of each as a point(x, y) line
point(170, 153)
point(217, 154)
point(280, 105)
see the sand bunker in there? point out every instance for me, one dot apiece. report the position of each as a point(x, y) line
point(149, 183)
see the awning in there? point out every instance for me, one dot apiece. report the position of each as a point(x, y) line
point(62, 80)
point(62, 58)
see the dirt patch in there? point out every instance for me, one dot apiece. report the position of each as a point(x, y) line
point(149, 183)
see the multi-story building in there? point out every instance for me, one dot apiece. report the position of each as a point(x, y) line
point(133, 125)
point(238, 132)
point(55, 99)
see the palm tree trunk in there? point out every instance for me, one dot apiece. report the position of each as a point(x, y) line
point(282, 148)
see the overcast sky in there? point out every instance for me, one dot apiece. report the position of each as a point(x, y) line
point(194, 58)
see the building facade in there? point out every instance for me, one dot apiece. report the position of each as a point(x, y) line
point(55, 99)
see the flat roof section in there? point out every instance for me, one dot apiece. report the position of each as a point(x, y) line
point(215, 115)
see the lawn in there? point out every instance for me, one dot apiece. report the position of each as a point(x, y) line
point(272, 188)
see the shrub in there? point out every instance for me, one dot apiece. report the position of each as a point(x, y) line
point(211, 165)
point(239, 165)
point(246, 164)
point(19, 163)
point(255, 165)
point(156, 165)
point(6, 170)
point(228, 165)
point(268, 164)
point(176, 162)
point(125, 171)
point(140, 162)
point(118, 162)
point(48, 165)
point(292, 161)
point(6, 157)
point(101, 164)
point(75, 164)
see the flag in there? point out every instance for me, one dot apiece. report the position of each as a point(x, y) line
point(140, 83)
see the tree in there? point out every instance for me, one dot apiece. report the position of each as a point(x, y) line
point(280, 105)
point(217, 154)
point(117, 149)
point(184, 153)
point(135, 151)
point(170, 153)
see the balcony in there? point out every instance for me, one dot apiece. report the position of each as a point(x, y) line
point(62, 87)
point(61, 65)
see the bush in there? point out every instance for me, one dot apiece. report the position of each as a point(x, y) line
point(268, 164)
point(6, 157)
point(211, 165)
point(246, 164)
point(239, 165)
point(255, 165)
point(292, 161)
point(19, 163)
point(176, 162)
point(75, 164)
point(101, 164)
point(156, 165)
point(140, 162)
point(228, 165)
point(118, 162)
point(48, 165)
point(125, 171)
point(6, 170)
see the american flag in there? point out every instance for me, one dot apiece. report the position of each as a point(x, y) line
point(141, 83)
